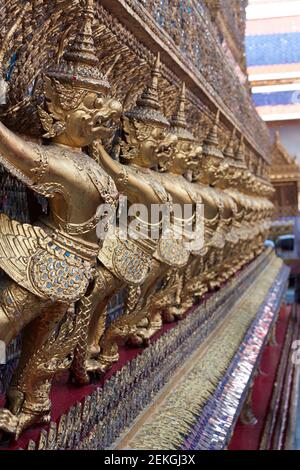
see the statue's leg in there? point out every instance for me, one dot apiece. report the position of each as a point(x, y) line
point(106, 285)
point(125, 327)
point(176, 306)
point(156, 274)
point(128, 325)
point(215, 268)
point(231, 259)
point(121, 329)
point(151, 304)
point(18, 308)
point(183, 275)
point(207, 274)
point(34, 336)
point(59, 329)
point(225, 271)
point(131, 327)
point(185, 295)
point(198, 286)
point(93, 310)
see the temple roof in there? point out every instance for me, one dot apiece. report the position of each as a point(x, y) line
point(273, 61)
point(284, 167)
point(269, 49)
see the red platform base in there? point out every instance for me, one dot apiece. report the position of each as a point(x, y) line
point(248, 437)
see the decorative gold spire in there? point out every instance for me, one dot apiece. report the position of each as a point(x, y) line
point(147, 107)
point(80, 65)
point(211, 143)
point(149, 97)
point(178, 122)
point(229, 149)
point(212, 137)
point(83, 48)
point(240, 154)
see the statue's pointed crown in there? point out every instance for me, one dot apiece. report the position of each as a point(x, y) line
point(79, 64)
point(178, 121)
point(240, 154)
point(211, 145)
point(148, 109)
point(229, 149)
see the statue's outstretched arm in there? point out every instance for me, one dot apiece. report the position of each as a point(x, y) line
point(16, 153)
point(126, 182)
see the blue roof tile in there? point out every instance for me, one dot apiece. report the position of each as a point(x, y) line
point(275, 98)
point(273, 49)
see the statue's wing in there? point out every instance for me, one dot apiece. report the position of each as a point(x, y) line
point(18, 242)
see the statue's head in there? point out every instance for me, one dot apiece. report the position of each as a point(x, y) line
point(79, 108)
point(188, 157)
point(188, 151)
point(213, 165)
point(237, 174)
point(146, 137)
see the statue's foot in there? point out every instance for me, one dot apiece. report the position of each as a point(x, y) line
point(12, 425)
point(225, 274)
point(15, 399)
point(138, 338)
point(28, 419)
point(142, 336)
point(170, 315)
point(143, 323)
point(94, 366)
point(8, 422)
point(214, 285)
point(200, 292)
point(101, 364)
point(94, 350)
point(175, 313)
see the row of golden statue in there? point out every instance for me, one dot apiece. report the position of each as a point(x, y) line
point(62, 276)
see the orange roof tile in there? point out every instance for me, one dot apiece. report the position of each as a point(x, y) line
point(287, 24)
point(276, 68)
point(280, 109)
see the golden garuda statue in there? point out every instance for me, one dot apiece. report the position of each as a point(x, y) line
point(53, 264)
point(63, 270)
point(146, 141)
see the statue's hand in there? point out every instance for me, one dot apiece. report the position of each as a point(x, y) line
point(19, 154)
